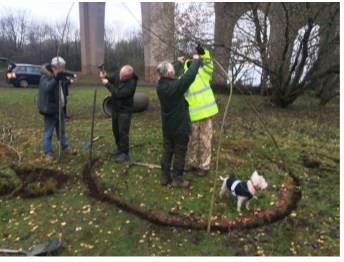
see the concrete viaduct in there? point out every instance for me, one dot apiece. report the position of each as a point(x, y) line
point(226, 15)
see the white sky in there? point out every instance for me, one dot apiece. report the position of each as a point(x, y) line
point(56, 11)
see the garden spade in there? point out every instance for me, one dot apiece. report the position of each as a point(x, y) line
point(37, 250)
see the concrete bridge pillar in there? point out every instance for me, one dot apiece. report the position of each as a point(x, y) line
point(159, 19)
point(92, 22)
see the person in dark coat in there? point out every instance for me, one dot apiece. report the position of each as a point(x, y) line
point(48, 105)
point(176, 124)
point(122, 86)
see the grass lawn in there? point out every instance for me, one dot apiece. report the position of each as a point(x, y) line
point(90, 227)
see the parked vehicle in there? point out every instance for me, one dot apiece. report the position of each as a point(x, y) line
point(23, 75)
point(5, 65)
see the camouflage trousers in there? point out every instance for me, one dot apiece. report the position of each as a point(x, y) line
point(199, 147)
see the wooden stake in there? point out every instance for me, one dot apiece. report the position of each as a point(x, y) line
point(218, 151)
point(59, 83)
point(60, 121)
point(92, 125)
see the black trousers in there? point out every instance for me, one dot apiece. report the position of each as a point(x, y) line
point(175, 147)
point(120, 128)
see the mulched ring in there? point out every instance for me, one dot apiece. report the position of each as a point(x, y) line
point(34, 182)
point(289, 197)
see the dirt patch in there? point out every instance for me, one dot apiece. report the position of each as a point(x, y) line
point(31, 181)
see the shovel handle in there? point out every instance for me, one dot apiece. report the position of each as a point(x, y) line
point(11, 251)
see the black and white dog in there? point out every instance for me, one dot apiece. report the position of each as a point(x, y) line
point(244, 191)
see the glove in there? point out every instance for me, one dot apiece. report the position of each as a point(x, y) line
point(135, 77)
point(200, 50)
point(59, 77)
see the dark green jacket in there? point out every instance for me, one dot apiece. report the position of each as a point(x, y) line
point(174, 108)
point(122, 93)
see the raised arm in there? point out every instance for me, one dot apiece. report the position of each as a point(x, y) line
point(113, 82)
point(186, 80)
point(178, 68)
point(126, 89)
point(207, 63)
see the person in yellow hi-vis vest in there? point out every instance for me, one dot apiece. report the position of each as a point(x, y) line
point(202, 107)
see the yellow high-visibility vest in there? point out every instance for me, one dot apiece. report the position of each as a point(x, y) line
point(200, 96)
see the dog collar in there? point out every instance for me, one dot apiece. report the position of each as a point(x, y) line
point(254, 187)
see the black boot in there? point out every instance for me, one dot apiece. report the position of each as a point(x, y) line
point(121, 158)
point(178, 180)
point(116, 152)
point(165, 177)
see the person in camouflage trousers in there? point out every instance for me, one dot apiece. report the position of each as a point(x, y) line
point(202, 108)
point(199, 147)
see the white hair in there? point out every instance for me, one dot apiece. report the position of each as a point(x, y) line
point(165, 69)
point(128, 68)
point(58, 61)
